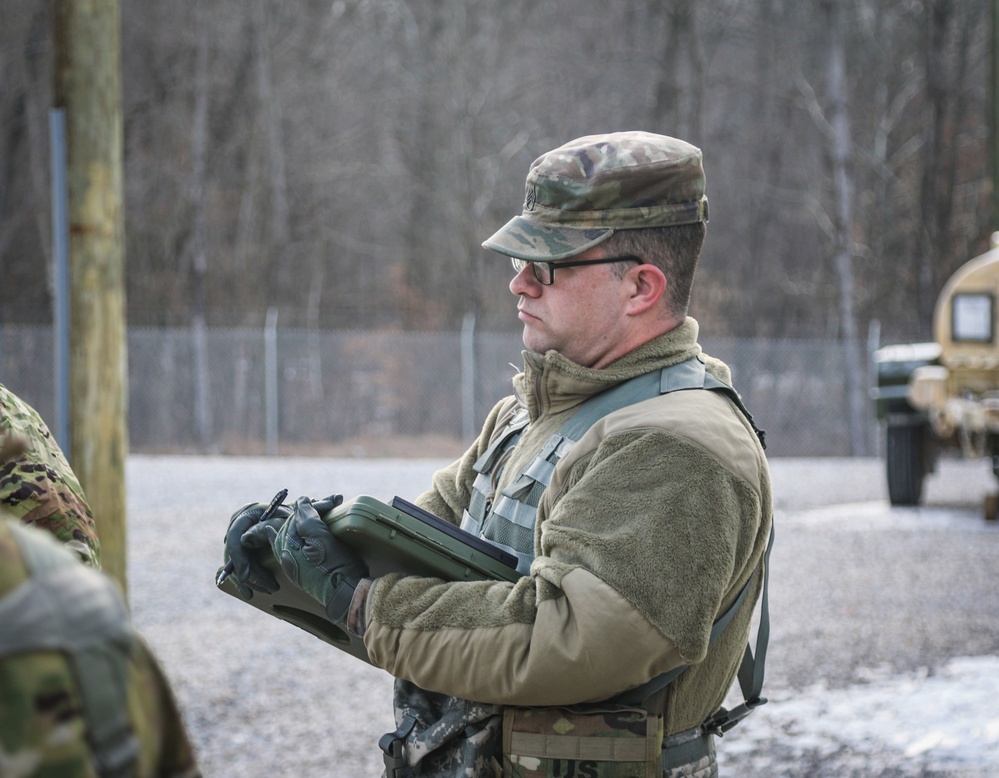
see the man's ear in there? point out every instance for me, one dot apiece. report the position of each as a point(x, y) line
point(648, 287)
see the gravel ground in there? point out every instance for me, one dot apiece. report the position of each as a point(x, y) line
point(858, 591)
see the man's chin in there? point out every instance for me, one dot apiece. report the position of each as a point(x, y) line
point(531, 341)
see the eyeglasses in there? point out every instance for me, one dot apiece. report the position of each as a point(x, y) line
point(545, 271)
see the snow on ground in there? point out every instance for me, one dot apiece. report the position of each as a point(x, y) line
point(947, 722)
point(941, 723)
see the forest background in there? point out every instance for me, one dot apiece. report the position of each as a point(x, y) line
point(342, 161)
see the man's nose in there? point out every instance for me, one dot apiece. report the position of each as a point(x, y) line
point(525, 282)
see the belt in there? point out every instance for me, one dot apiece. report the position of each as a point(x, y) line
point(687, 747)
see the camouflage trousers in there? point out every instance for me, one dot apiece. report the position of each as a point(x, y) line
point(445, 737)
point(706, 767)
point(689, 754)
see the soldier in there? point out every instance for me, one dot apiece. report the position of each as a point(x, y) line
point(81, 695)
point(37, 485)
point(624, 473)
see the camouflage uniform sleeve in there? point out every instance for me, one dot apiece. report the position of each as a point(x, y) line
point(37, 485)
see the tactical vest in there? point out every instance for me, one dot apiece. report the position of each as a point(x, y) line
point(507, 519)
point(66, 607)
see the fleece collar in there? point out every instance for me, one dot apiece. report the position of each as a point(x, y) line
point(551, 384)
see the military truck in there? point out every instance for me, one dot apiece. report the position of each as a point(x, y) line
point(944, 395)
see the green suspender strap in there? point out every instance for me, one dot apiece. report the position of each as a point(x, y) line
point(72, 609)
point(624, 735)
point(752, 667)
point(751, 670)
point(692, 375)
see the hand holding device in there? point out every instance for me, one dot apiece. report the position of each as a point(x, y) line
point(250, 574)
point(313, 558)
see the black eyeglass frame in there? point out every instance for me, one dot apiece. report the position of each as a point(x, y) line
point(520, 264)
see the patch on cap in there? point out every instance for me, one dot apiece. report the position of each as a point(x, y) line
point(578, 194)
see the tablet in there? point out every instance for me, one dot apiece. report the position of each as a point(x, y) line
point(401, 537)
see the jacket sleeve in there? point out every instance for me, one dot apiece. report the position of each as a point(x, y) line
point(642, 544)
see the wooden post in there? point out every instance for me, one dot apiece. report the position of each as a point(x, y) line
point(87, 85)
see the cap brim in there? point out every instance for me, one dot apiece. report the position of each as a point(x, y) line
point(524, 239)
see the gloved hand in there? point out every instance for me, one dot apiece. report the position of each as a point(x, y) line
point(312, 557)
point(249, 572)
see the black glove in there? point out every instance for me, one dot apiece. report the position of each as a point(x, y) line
point(312, 557)
point(247, 568)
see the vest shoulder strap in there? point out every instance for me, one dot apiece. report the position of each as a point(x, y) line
point(751, 669)
point(689, 374)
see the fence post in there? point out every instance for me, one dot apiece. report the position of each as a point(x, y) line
point(271, 380)
point(468, 377)
point(60, 260)
point(873, 344)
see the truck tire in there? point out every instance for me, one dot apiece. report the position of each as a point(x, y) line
point(906, 463)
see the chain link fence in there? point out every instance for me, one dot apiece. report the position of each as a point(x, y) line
point(247, 391)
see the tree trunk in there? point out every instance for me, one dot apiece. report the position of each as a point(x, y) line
point(938, 15)
point(270, 107)
point(839, 152)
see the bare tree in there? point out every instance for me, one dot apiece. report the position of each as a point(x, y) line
point(841, 146)
point(343, 161)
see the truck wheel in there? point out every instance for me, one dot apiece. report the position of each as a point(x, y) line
point(906, 462)
point(991, 507)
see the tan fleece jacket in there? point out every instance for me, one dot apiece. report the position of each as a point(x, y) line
point(650, 527)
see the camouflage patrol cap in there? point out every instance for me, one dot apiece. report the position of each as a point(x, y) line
point(579, 194)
